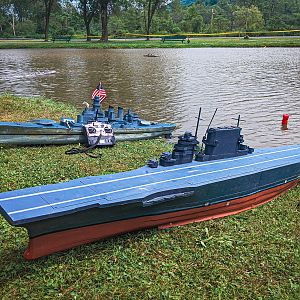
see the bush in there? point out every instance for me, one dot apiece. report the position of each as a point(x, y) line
point(26, 28)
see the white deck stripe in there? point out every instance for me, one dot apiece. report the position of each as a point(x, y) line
point(143, 175)
point(148, 184)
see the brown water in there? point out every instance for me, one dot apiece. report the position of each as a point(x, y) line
point(260, 84)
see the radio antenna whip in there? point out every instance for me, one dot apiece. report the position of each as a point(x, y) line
point(211, 121)
point(238, 122)
point(199, 114)
point(208, 128)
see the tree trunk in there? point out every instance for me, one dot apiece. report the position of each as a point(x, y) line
point(48, 7)
point(87, 23)
point(88, 32)
point(13, 24)
point(148, 24)
point(152, 7)
point(88, 13)
point(148, 32)
point(212, 20)
point(46, 28)
point(104, 36)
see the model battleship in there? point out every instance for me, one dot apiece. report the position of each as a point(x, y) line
point(126, 127)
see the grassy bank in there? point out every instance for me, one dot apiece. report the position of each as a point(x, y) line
point(254, 255)
point(140, 44)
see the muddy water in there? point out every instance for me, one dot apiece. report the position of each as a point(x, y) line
point(259, 84)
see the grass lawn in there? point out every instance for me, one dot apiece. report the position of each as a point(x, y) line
point(195, 43)
point(253, 255)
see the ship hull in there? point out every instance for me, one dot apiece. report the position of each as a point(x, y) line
point(68, 214)
point(58, 241)
point(55, 134)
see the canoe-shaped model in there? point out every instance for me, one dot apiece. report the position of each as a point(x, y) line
point(226, 178)
point(68, 131)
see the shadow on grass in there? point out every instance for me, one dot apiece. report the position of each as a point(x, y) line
point(13, 264)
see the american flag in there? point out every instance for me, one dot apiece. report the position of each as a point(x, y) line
point(99, 91)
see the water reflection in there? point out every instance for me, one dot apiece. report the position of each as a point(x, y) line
point(260, 84)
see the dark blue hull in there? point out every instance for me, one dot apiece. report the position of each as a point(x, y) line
point(172, 201)
point(103, 206)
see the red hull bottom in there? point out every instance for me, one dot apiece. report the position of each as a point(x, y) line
point(59, 241)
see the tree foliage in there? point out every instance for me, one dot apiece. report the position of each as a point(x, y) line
point(87, 9)
point(41, 18)
point(149, 9)
point(248, 18)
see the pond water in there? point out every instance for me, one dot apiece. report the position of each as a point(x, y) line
point(260, 84)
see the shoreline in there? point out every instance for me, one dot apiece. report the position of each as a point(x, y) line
point(220, 42)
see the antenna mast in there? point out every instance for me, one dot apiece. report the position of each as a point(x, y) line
point(211, 121)
point(208, 128)
point(199, 114)
point(238, 122)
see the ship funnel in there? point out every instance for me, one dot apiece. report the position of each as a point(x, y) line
point(120, 113)
point(111, 114)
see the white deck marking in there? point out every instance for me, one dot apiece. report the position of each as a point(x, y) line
point(143, 175)
point(148, 184)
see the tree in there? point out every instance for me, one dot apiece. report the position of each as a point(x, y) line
point(248, 18)
point(150, 7)
point(88, 10)
point(104, 20)
point(48, 8)
point(193, 21)
point(177, 11)
point(42, 17)
point(13, 22)
point(225, 16)
point(8, 16)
